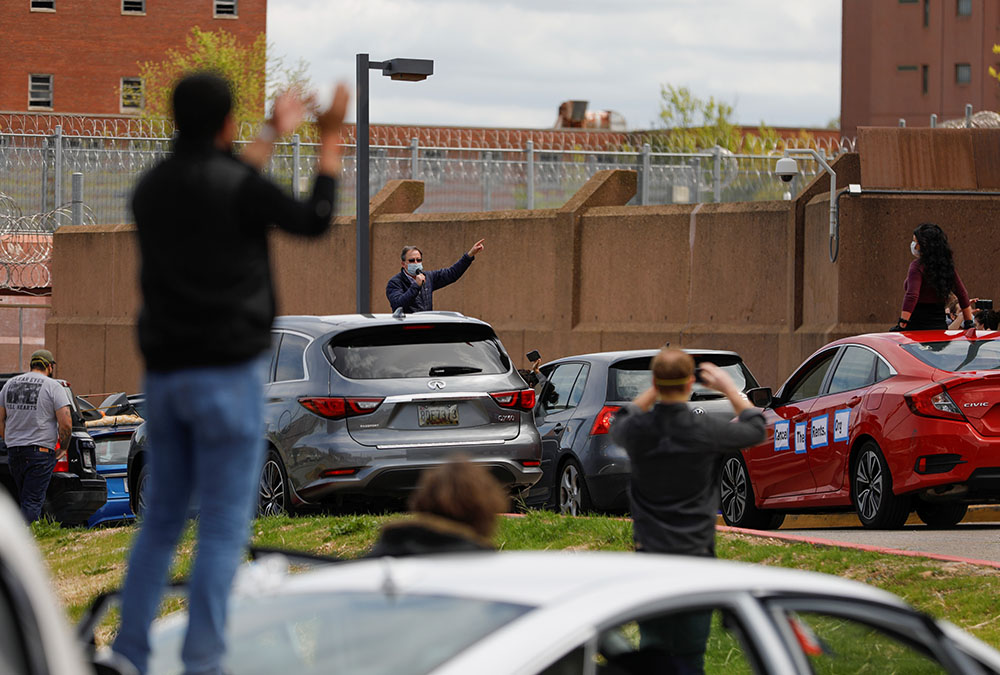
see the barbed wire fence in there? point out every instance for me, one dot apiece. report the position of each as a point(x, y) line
point(462, 169)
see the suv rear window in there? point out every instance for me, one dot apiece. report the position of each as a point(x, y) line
point(627, 379)
point(958, 355)
point(417, 350)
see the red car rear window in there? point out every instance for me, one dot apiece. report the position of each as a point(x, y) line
point(958, 355)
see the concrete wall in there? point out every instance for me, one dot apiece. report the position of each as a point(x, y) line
point(592, 275)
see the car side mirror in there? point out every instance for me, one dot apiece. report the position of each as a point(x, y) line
point(760, 397)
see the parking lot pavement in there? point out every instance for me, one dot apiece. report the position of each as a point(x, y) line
point(974, 540)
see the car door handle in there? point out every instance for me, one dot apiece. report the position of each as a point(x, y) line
point(853, 401)
point(557, 428)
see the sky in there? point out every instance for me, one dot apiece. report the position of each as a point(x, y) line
point(510, 64)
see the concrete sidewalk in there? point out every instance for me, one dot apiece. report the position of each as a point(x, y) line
point(977, 514)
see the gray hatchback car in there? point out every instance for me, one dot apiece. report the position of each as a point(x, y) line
point(362, 404)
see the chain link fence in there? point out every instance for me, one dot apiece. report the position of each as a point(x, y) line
point(462, 171)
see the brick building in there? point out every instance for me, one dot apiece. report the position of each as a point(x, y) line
point(67, 56)
point(908, 59)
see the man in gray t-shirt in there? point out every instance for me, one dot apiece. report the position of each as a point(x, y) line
point(34, 422)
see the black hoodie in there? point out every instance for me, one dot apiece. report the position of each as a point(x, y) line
point(202, 217)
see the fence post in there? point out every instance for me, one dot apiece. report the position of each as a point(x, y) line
point(76, 206)
point(529, 171)
point(968, 115)
point(45, 180)
point(20, 338)
point(645, 176)
point(716, 173)
point(58, 165)
point(902, 122)
point(933, 120)
point(487, 198)
point(415, 158)
point(296, 161)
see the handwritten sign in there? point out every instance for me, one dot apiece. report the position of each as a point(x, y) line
point(800, 437)
point(841, 420)
point(782, 433)
point(818, 431)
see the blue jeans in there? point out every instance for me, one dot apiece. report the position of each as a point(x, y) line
point(31, 470)
point(205, 436)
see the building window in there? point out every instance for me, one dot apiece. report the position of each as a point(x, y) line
point(927, 13)
point(133, 6)
point(43, 5)
point(907, 2)
point(963, 73)
point(963, 7)
point(40, 91)
point(925, 77)
point(131, 90)
point(906, 69)
point(226, 8)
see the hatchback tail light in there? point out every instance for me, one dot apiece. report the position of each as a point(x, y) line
point(339, 407)
point(523, 399)
point(933, 401)
point(602, 423)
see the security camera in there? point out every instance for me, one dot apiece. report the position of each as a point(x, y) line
point(787, 169)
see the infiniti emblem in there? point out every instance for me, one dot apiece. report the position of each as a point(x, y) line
point(698, 411)
point(436, 384)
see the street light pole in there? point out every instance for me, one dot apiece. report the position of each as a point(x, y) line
point(410, 70)
point(362, 232)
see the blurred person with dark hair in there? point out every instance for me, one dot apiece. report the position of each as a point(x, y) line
point(413, 288)
point(203, 218)
point(929, 280)
point(676, 457)
point(454, 510)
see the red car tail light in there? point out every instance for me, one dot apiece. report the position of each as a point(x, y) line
point(338, 407)
point(933, 401)
point(602, 423)
point(523, 399)
point(62, 464)
point(338, 472)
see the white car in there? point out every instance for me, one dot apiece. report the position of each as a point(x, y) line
point(560, 613)
point(34, 636)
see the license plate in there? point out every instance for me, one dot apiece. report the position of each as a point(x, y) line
point(438, 415)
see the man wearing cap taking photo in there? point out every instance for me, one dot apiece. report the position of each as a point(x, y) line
point(35, 424)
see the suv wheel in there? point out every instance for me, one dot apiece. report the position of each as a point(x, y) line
point(272, 496)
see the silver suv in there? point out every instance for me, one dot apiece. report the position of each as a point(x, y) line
point(362, 404)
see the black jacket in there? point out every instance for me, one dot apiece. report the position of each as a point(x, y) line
point(403, 292)
point(425, 534)
point(676, 458)
point(202, 217)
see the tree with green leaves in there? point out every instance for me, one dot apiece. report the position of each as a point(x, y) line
point(256, 75)
point(692, 124)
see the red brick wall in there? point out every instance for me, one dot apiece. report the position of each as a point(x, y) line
point(89, 45)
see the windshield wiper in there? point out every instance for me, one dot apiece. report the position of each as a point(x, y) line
point(453, 370)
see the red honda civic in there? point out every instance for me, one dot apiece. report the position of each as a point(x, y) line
point(883, 424)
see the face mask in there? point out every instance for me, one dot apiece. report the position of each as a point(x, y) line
point(913, 249)
point(413, 268)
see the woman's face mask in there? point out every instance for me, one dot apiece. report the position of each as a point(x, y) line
point(913, 249)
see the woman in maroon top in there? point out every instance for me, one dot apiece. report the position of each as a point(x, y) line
point(931, 277)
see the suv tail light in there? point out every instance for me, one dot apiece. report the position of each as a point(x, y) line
point(933, 401)
point(61, 465)
point(523, 399)
point(602, 423)
point(339, 407)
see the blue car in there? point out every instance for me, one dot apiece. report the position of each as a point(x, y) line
point(112, 434)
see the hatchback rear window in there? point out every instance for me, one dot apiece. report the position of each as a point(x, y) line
point(958, 355)
point(418, 350)
point(627, 379)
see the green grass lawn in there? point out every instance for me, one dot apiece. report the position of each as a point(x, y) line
point(84, 563)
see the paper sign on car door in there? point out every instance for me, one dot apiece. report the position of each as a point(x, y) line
point(818, 430)
point(841, 419)
point(781, 436)
point(800, 437)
